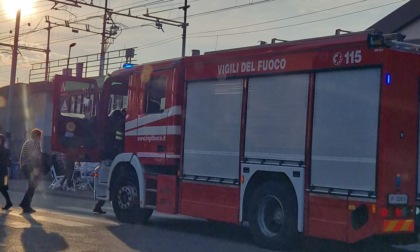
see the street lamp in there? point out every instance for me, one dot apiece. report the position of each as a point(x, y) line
point(68, 58)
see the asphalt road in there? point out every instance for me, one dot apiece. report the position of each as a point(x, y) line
point(68, 224)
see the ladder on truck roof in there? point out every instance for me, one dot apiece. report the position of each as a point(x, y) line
point(392, 41)
point(404, 46)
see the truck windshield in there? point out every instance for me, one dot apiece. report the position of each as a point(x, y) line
point(77, 100)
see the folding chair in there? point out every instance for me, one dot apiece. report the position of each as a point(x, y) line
point(83, 176)
point(56, 171)
point(56, 183)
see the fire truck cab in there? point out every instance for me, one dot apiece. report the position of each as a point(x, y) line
point(316, 137)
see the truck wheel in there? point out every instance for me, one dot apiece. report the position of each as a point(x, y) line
point(144, 215)
point(273, 216)
point(126, 199)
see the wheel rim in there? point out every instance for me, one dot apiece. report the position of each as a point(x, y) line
point(126, 196)
point(271, 216)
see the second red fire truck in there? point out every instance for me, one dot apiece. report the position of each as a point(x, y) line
point(317, 137)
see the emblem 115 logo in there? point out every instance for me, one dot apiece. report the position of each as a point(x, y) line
point(337, 58)
point(350, 57)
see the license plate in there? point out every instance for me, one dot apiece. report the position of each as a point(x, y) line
point(397, 199)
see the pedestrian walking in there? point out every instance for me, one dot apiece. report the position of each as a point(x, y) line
point(98, 207)
point(30, 161)
point(4, 171)
point(66, 182)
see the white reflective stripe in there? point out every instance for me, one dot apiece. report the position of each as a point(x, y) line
point(155, 130)
point(172, 111)
point(175, 110)
point(172, 156)
point(151, 118)
point(159, 130)
point(131, 132)
point(130, 124)
point(151, 154)
point(345, 159)
point(156, 155)
point(173, 130)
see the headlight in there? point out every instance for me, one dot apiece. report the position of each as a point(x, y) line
point(71, 126)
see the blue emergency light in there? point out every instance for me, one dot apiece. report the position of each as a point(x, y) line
point(387, 79)
point(398, 181)
point(128, 65)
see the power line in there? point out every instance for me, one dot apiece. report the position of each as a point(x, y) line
point(146, 4)
point(157, 43)
point(228, 8)
point(297, 24)
point(173, 39)
point(13, 19)
point(281, 19)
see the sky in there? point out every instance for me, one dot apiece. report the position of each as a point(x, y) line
point(213, 25)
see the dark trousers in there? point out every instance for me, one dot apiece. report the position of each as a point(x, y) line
point(32, 178)
point(3, 190)
point(100, 203)
point(69, 172)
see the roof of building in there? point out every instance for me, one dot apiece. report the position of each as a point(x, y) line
point(400, 18)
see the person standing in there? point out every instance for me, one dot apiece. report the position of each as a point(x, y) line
point(67, 180)
point(114, 142)
point(4, 172)
point(30, 161)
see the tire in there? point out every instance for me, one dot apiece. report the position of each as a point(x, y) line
point(126, 200)
point(273, 216)
point(144, 215)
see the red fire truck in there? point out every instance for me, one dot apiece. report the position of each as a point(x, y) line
point(316, 137)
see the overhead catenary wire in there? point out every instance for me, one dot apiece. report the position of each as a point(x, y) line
point(146, 3)
point(293, 25)
point(228, 8)
point(281, 19)
point(157, 43)
point(238, 33)
point(23, 18)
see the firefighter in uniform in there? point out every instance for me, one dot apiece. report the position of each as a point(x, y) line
point(114, 134)
point(114, 142)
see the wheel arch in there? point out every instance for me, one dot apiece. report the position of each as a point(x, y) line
point(257, 179)
point(258, 174)
point(128, 163)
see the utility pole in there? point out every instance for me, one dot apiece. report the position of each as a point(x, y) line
point(12, 82)
point(47, 57)
point(107, 16)
point(184, 28)
point(103, 49)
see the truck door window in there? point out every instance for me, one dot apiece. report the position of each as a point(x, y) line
point(117, 97)
point(117, 102)
point(155, 95)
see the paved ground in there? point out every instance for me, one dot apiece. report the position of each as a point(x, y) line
point(20, 185)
